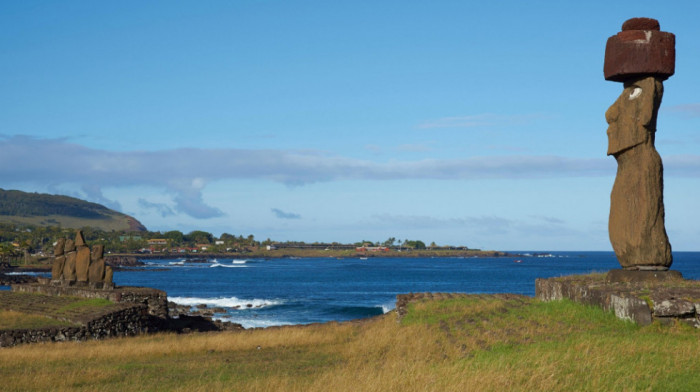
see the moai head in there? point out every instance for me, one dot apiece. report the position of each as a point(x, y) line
point(640, 56)
point(98, 252)
point(59, 247)
point(632, 118)
point(79, 239)
point(70, 246)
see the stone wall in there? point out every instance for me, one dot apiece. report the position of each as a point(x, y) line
point(640, 302)
point(130, 320)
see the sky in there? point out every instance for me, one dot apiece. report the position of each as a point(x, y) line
point(467, 123)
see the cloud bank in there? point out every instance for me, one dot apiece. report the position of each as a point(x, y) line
point(185, 172)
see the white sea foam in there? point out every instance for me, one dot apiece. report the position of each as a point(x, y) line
point(388, 308)
point(228, 302)
point(26, 273)
point(237, 261)
point(177, 262)
point(253, 322)
point(228, 266)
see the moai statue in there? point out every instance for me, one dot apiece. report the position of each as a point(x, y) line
point(59, 260)
point(82, 258)
point(69, 267)
point(641, 57)
point(109, 274)
point(96, 272)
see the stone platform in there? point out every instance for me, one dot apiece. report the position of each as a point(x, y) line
point(664, 299)
point(156, 301)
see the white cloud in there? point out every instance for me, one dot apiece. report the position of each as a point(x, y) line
point(163, 209)
point(185, 172)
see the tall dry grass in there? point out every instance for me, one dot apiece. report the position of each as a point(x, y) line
point(478, 343)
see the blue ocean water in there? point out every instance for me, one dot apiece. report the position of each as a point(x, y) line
point(266, 292)
point(259, 293)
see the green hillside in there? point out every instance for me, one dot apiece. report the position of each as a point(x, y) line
point(42, 209)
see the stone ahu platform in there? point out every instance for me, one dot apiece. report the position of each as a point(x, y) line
point(155, 301)
point(640, 296)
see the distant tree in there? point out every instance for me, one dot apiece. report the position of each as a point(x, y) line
point(199, 237)
point(228, 238)
point(176, 237)
point(415, 244)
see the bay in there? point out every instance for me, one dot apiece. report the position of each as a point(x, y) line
point(267, 292)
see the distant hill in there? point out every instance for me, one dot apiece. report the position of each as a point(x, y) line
point(42, 209)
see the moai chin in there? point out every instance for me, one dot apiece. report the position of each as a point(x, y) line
point(641, 57)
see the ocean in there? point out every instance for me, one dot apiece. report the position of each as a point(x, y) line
point(267, 292)
point(260, 293)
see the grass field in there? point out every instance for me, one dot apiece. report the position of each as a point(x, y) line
point(467, 344)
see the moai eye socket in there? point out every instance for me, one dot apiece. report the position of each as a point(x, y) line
point(636, 92)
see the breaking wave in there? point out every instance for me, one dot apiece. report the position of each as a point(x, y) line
point(227, 266)
point(227, 302)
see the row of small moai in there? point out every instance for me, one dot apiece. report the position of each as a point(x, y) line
point(75, 264)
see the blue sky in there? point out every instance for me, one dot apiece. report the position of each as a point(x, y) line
point(457, 122)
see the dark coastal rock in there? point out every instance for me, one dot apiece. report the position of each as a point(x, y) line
point(122, 261)
point(8, 280)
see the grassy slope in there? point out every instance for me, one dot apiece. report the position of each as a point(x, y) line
point(42, 209)
point(478, 343)
point(108, 223)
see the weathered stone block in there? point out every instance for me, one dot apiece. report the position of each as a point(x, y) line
point(679, 308)
point(631, 308)
point(627, 276)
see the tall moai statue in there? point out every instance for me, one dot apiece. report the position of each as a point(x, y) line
point(641, 57)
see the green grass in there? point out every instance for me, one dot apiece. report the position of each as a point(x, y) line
point(16, 320)
point(88, 305)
